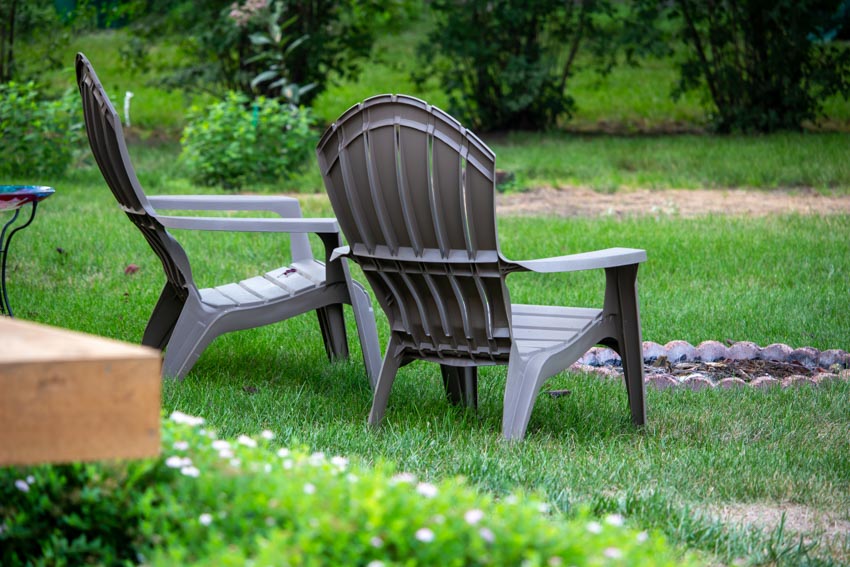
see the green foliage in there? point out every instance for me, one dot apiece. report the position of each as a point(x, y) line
point(766, 65)
point(287, 507)
point(40, 136)
point(34, 36)
point(505, 64)
point(239, 141)
point(250, 45)
point(77, 514)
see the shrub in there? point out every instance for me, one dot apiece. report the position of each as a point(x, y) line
point(40, 136)
point(308, 42)
point(216, 502)
point(506, 63)
point(237, 141)
point(766, 65)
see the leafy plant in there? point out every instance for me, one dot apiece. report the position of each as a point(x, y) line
point(506, 63)
point(230, 44)
point(40, 135)
point(238, 141)
point(765, 65)
point(287, 506)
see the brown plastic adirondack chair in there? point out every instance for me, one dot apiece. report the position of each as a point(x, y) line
point(186, 319)
point(414, 194)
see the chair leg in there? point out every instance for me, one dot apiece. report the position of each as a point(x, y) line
point(163, 318)
point(192, 334)
point(367, 330)
point(389, 369)
point(332, 323)
point(630, 341)
point(461, 383)
point(521, 389)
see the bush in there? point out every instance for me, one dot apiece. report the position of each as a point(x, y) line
point(215, 502)
point(237, 141)
point(766, 65)
point(506, 63)
point(40, 136)
point(304, 43)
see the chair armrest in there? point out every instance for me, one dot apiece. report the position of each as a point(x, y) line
point(340, 252)
point(297, 225)
point(608, 258)
point(284, 206)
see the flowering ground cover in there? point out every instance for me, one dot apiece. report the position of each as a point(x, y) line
point(214, 501)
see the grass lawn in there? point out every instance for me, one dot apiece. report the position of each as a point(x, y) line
point(775, 279)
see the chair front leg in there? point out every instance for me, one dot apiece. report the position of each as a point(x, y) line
point(622, 297)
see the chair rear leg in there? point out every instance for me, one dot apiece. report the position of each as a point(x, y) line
point(163, 318)
point(389, 369)
point(461, 383)
point(332, 324)
point(630, 342)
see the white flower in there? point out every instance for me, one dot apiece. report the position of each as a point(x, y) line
point(352, 478)
point(424, 535)
point(190, 471)
point(612, 553)
point(594, 527)
point(555, 561)
point(267, 434)
point(339, 462)
point(642, 537)
point(317, 458)
point(543, 508)
point(403, 478)
point(180, 417)
point(267, 468)
point(283, 452)
point(473, 516)
point(226, 454)
point(615, 520)
point(288, 464)
point(205, 519)
point(22, 485)
point(181, 445)
point(247, 441)
point(176, 462)
point(30, 479)
point(376, 542)
point(375, 563)
point(309, 488)
point(235, 463)
point(220, 445)
point(487, 535)
point(426, 489)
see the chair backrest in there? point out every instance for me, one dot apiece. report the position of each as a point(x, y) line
point(106, 138)
point(414, 192)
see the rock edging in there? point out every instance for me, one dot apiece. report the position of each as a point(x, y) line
point(815, 366)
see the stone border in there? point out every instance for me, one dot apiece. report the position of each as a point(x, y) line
point(607, 363)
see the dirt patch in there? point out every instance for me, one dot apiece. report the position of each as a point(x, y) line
point(812, 524)
point(584, 202)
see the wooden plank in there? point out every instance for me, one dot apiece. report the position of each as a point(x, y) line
point(68, 396)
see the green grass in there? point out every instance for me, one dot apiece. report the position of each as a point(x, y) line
point(776, 279)
point(608, 163)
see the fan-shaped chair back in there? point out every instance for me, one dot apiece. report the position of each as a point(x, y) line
point(413, 192)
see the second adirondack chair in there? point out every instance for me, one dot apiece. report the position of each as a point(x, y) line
point(414, 192)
